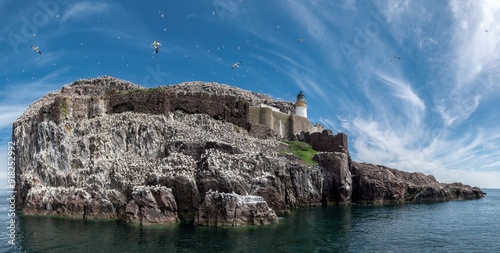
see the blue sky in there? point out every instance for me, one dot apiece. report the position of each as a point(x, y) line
point(414, 84)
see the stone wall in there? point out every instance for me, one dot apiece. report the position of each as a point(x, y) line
point(282, 125)
point(326, 141)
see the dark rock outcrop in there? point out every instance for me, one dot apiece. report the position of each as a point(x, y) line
point(375, 184)
point(230, 209)
point(337, 183)
point(105, 148)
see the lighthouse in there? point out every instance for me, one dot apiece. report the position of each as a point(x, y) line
point(301, 105)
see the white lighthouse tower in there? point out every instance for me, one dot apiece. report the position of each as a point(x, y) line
point(301, 105)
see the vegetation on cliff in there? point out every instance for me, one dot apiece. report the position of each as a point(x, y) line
point(301, 150)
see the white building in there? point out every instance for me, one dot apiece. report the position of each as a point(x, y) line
point(301, 105)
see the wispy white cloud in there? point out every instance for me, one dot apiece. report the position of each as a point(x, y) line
point(9, 114)
point(483, 33)
point(229, 9)
point(316, 22)
point(454, 111)
point(84, 9)
point(395, 9)
point(473, 74)
point(449, 158)
point(410, 103)
point(460, 147)
point(21, 94)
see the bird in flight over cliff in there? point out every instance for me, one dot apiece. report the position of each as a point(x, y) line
point(156, 44)
point(36, 49)
point(236, 65)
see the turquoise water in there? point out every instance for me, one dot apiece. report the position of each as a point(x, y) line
point(457, 226)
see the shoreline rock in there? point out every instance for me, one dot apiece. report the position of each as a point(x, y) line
point(230, 209)
point(78, 156)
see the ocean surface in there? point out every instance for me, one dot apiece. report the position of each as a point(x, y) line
point(456, 226)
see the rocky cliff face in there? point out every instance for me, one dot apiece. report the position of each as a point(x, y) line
point(378, 184)
point(80, 156)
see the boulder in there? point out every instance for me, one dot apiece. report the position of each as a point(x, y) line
point(152, 205)
point(230, 209)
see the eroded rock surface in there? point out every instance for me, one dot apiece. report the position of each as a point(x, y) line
point(230, 209)
point(82, 153)
point(376, 184)
point(152, 205)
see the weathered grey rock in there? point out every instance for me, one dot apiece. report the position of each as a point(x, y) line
point(152, 205)
point(99, 151)
point(82, 153)
point(230, 209)
point(73, 202)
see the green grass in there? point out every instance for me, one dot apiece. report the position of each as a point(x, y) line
point(63, 107)
point(301, 150)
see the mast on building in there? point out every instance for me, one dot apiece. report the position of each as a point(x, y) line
point(301, 105)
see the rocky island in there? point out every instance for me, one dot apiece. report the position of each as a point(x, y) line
point(200, 153)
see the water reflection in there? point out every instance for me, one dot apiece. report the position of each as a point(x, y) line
point(299, 231)
point(403, 228)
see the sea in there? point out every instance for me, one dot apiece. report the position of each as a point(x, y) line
point(455, 226)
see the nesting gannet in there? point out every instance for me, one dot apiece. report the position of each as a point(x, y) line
point(156, 44)
point(236, 65)
point(36, 49)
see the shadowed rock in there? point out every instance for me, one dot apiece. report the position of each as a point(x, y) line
point(375, 184)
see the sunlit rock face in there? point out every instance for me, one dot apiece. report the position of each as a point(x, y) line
point(105, 148)
point(78, 158)
point(230, 209)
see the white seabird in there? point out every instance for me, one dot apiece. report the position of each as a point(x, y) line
point(156, 44)
point(36, 49)
point(236, 65)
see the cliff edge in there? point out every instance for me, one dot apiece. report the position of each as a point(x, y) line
point(106, 148)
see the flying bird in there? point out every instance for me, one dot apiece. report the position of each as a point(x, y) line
point(36, 49)
point(300, 40)
point(156, 44)
point(395, 58)
point(236, 65)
